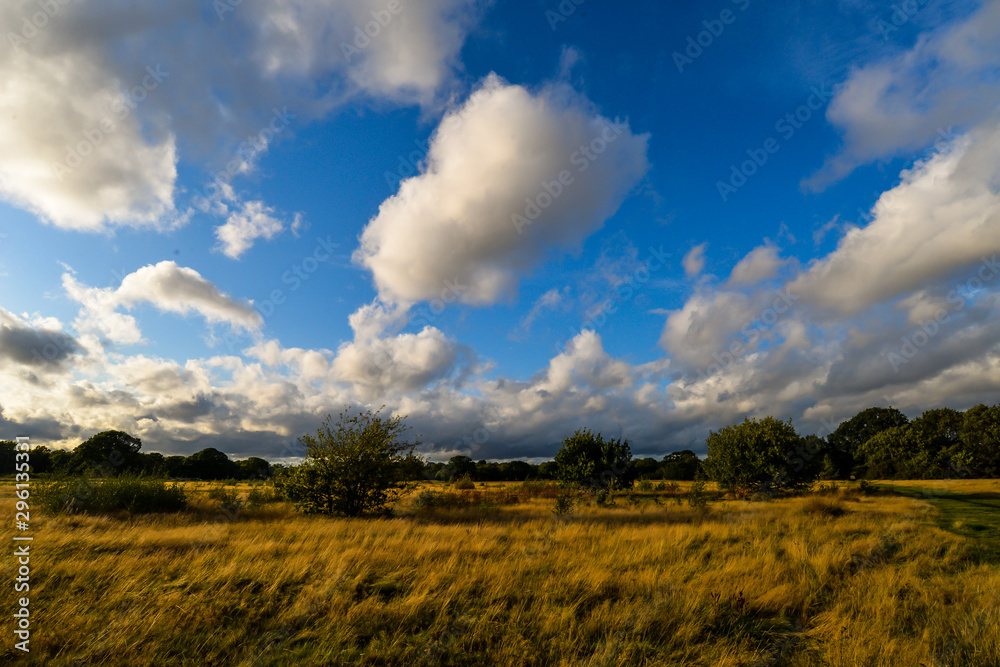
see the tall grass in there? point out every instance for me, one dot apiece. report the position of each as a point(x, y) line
point(743, 584)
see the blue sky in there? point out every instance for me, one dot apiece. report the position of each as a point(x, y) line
point(767, 208)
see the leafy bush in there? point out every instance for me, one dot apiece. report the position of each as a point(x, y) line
point(757, 457)
point(587, 459)
point(645, 486)
point(262, 495)
point(565, 504)
point(355, 465)
point(464, 483)
point(230, 498)
point(696, 497)
point(131, 494)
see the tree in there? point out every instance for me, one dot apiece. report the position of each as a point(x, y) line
point(890, 453)
point(110, 453)
point(757, 456)
point(254, 468)
point(980, 435)
point(682, 465)
point(353, 466)
point(210, 463)
point(7, 457)
point(460, 466)
point(588, 459)
point(848, 438)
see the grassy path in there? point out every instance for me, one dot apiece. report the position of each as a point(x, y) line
point(972, 514)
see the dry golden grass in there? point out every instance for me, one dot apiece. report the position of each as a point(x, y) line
point(747, 583)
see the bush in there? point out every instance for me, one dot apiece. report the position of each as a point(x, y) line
point(696, 497)
point(757, 457)
point(353, 466)
point(230, 498)
point(589, 460)
point(464, 483)
point(262, 495)
point(565, 504)
point(131, 494)
point(645, 486)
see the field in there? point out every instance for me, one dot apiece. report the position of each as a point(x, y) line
point(831, 578)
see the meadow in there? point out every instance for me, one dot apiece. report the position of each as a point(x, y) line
point(832, 577)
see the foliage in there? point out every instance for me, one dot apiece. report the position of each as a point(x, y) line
point(757, 456)
point(852, 434)
point(589, 460)
point(110, 452)
point(696, 496)
point(353, 466)
point(126, 493)
point(980, 436)
point(464, 483)
point(565, 503)
point(683, 465)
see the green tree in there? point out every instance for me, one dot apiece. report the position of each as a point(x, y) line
point(682, 465)
point(210, 463)
point(254, 468)
point(460, 466)
point(757, 456)
point(980, 435)
point(590, 460)
point(110, 453)
point(353, 466)
point(846, 441)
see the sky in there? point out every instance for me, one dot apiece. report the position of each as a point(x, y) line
point(222, 221)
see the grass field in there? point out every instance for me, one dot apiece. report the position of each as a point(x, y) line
point(825, 579)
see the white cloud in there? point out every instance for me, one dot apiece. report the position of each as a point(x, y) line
point(111, 92)
point(463, 225)
point(694, 261)
point(254, 221)
point(942, 217)
point(912, 99)
point(166, 286)
point(380, 361)
point(762, 263)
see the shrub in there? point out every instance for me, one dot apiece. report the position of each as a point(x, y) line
point(757, 457)
point(589, 459)
point(464, 483)
point(355, 465)
point(131, 494)
point(262, 495)
point(645, 486)
point(230, 498)
point(696, 497)
point(565, 504)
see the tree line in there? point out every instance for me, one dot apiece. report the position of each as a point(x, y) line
point(116, 453)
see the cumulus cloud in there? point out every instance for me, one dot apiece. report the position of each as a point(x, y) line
point(944, 216)
point(380, 361)
point(167, 287)
point(254, 221)
point(490, 204)
point(760, 264)
point(104, 98)
point(912, 99)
